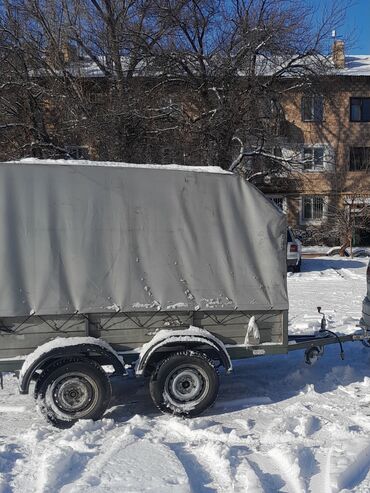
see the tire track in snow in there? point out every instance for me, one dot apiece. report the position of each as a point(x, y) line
point(288, 467)
point(327, 471)
point(208, 450)
point(199, 478)
point(94, 467)
point(356, 470)
point(266, 471)
point(221, 457)
point(56, 457)
point(10, 453)
point(322, 481)
point(248, 479)
point(213, 457)
point(113, 441)
point(133, 453)
point(312, 473)
point(140, 465)
point(228, 472)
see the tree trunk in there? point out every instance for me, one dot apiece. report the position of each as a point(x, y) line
point(347, 243)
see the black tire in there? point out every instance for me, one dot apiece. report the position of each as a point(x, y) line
point(185, 384)
point(69, 390)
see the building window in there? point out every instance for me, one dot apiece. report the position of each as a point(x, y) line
point(77, 152)
point(312, 208)
point(279, 201)
point(313, 158)
point(360, 109)
point(312, 108)
point(359, 158)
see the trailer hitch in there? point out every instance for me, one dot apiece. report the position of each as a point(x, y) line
point(324, 329)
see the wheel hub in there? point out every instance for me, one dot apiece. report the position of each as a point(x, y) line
point(186, 384)
point(73, 394)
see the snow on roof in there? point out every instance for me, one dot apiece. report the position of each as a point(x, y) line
point(265, 66)
point(78, 162)
point(356, 65)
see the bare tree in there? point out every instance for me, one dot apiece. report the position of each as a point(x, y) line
point(350, 219)
point(57, 56)
point(234, 62)
point(192, 81)
point(349, 216)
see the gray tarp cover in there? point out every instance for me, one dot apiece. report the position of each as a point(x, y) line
point(93, 238)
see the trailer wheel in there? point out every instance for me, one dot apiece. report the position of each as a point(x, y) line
point(69, 390)
point(185, 384)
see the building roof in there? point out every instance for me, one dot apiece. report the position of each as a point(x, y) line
point(356, 65)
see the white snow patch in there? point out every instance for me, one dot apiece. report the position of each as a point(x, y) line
point(252, 336)
point(176, 306)
point(113, 164)
point(114, 307)
point(12, 409)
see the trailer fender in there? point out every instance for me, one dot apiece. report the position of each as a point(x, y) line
point(72, 347)
point(192, 338)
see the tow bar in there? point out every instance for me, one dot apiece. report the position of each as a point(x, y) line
point(314, 344)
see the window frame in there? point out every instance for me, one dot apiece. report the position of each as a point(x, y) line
point(314, 99)
point(284, 201)
point(350, 154)
point(314, 167)
point(350, 109)
point(304, 220)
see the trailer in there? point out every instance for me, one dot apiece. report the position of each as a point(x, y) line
point(167, 271)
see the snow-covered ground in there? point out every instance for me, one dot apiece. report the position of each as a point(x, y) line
point(277, 426)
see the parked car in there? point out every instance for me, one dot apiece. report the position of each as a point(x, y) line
point(366, 303)
point(294, 252)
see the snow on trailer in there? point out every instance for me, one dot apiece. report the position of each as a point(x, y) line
point(133, 255)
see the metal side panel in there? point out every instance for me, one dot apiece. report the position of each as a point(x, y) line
point(129, 331)
point(231, 327)
point(20, 336)
point(126, 331)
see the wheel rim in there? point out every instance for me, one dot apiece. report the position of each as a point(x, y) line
point(74, 394)
point(187, 384)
